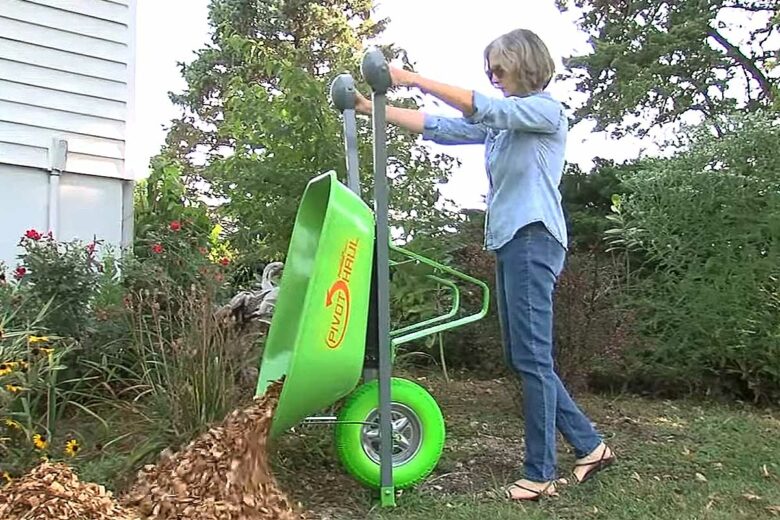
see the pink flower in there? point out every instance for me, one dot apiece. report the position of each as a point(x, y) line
point(33, 235)
point(20, 272)
point(224, 261)
point(157, 249)
point(175, 225)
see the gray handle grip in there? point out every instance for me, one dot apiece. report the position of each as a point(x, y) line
point(374, 68)
point(342, 92)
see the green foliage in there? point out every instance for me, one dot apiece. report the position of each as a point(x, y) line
point(64, 275)
point(163, 199)
point(177, 370)
point(653, 61)
point(587, 199)
point(705, 225)
point(34, 392)
point(257, 123)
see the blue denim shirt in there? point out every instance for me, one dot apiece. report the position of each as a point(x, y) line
point(525, 140)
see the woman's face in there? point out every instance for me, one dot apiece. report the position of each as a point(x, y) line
point(500, 79)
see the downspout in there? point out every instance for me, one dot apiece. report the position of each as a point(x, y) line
point(58, 156)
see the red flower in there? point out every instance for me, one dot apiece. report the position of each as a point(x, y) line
point(157, 249)
point(20, 272)
point(175, 225)
point(33, 235)
point(224, 261)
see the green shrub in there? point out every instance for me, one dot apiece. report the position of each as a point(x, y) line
point(64, 275)
point(703, 232)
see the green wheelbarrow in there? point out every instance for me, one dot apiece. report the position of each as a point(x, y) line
point(330, 336)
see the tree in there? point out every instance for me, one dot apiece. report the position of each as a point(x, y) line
point(657, 60)
point(705, 227)
point(256, 121)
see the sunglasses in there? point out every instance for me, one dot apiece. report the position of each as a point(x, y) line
point(493, 72)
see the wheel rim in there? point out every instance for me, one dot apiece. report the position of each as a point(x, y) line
point(407, 434)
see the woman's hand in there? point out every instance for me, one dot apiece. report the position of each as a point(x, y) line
point(402, 77)
point(362, 105)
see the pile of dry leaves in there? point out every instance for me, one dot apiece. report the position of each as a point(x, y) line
point(222, 475)
point(53, 491)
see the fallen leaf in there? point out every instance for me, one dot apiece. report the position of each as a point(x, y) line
point(775, 510)
point(636, 476)
point(765, 471)
point(700, 477)
point(751, 497)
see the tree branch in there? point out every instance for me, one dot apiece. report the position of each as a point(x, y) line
point(751, 8)
point(745, 62)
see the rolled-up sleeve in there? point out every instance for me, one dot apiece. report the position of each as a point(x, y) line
point(531, 114)
point(453, 130)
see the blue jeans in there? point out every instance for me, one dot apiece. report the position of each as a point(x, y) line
point(527, 270)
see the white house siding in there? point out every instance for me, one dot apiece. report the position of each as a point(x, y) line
point(66, 72)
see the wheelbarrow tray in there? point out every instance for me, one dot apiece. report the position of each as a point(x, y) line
point(316, 339)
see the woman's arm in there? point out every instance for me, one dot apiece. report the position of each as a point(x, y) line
point(457, 97)
point(441, 130)
point(540, 114)
point(408, 118)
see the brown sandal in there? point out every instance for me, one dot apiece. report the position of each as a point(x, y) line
point(537, 493)
point(598, 465)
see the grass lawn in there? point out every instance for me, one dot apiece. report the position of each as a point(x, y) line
point(677, 460)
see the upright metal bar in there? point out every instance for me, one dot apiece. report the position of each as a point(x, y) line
point(351, 150)
point(375, 70)
point(342, 94)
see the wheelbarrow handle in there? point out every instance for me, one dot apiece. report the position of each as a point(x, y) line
point(342, 95)
point(376, 71)
point(342, 92)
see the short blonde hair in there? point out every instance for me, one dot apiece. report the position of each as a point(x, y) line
point(522, 56)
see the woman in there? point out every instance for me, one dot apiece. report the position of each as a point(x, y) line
point(525, 135)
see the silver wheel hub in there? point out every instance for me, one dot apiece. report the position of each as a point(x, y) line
point(407, 434)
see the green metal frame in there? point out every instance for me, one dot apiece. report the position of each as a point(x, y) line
point(433, 325)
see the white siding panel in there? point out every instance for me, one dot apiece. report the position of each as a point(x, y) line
point(64, 81)
point(41, 138)
point(65, 121)
point(22, 207)
point(43, 97)
point(63, 20)
point(64, 61)
point(48, 37)
point(95, 8)
point(12, 153)
point(97, 166)
point(32, 157)
point(90, 206)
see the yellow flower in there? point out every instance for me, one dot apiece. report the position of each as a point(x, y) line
point(11, 424)
point(13, 388)
point(6, 368)
point(40, 441)
point(72, 448)
point(33, 340)
point(7, 477)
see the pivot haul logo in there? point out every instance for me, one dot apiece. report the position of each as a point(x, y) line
point(338, 297)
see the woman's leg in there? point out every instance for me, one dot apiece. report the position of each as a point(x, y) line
point(528, 269)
